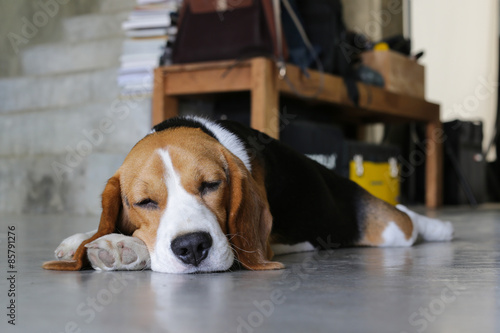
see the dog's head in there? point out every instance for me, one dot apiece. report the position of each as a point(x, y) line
point(193, 202)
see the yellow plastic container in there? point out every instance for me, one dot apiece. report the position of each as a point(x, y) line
point(381, 179)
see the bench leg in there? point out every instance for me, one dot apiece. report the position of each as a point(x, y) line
point(164, 106)
point(265, 115)
point(434, 165)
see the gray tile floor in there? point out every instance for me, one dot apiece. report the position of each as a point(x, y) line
point(432, 287)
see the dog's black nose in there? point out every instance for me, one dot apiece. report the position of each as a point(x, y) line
point(192, 248)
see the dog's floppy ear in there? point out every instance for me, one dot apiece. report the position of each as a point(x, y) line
point(249, 218)
point(110, 217)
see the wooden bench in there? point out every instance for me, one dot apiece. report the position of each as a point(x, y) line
point(259, 76)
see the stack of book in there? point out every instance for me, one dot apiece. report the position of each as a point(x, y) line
point(149, 31)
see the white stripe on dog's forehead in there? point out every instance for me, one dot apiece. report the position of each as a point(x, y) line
point(172, 178)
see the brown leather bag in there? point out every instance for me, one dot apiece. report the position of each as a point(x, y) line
point(226, 29)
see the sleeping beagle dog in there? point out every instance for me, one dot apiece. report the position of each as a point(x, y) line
point(196, 195)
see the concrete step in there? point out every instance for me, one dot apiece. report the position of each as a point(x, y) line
point(83, 28)
point(76, 131)
point(39, 189)
point(57, 58)
point(112, 6)
point(100, 167)
point(43, 92)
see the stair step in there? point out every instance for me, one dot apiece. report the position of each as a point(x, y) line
point(83, 28)
point(77, 131)
point(57, 58)
point(100, 167)
point(43, 92)
point(112, 6)
point(39, 189)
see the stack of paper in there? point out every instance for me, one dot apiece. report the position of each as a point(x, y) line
point(148, 28)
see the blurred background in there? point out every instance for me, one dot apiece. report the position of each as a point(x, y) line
point(76, 82)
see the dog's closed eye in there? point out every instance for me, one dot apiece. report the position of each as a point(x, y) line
point(147, 204)
point(208, 187)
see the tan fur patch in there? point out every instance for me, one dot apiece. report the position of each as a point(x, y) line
point(378, 214)
point(249, 220)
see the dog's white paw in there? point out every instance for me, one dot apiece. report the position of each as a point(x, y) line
point(67, 248)
point(118, 252)
point(431, 229)
point(443, 231)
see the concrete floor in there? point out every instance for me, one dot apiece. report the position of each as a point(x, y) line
point(432, 287)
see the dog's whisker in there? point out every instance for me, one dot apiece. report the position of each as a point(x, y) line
point(246, 251)
point(234, 235)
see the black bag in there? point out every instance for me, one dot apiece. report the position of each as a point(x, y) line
point(464, 163)
point(324, 25)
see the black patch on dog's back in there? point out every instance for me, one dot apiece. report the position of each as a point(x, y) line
point(182, 122)
point(308, 202)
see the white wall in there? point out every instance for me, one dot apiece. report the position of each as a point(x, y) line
point(460, 39)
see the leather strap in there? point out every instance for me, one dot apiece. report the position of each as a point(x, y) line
point(281, 63)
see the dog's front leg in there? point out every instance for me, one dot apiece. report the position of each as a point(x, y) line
point(68, 246)
point(118, 252)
